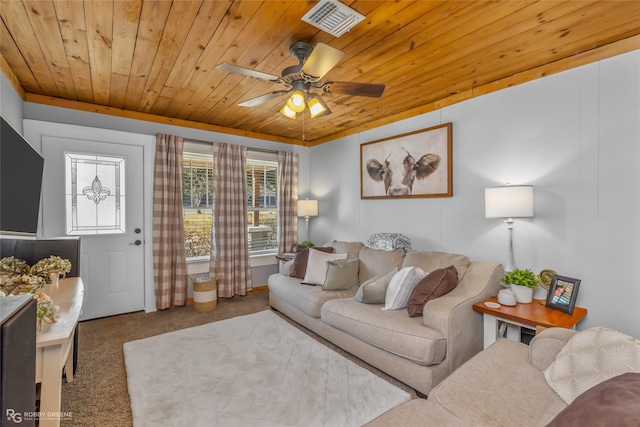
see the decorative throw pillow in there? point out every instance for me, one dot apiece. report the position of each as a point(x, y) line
point(615, 401)
point(301, 258)
point(374, 290)
point(317, 266)
point(341, 274)
point(589, 358)
point(401, 286)
point(437, 283)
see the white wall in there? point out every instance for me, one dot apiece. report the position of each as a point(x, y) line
point(10, 104)
point(574, 136)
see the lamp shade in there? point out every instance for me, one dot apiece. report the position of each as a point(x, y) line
point(307, 207)
point(514, 201)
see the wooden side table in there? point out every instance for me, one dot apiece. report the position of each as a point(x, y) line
point(523, 315)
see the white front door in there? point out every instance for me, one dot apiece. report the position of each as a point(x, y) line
point(107, 213)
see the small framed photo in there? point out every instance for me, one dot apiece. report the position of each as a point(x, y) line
point(563, 292)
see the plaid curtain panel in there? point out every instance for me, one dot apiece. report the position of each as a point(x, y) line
point(229, 244)
point(169, 258)
point(287, 201)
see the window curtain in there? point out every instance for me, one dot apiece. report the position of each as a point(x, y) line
point(169, 258)
point(229, 245)
point(288, 199)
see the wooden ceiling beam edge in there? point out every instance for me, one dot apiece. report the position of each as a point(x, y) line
point(135, 115)
point(12, 78)
point(583, 58)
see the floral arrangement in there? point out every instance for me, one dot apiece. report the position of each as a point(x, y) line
point(24, 283)
point(51, 265)
point(46, 311)
point(12, 266)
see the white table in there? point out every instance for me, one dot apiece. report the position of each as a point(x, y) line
point(54, 347)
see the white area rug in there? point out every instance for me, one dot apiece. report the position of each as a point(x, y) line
point(255, 370)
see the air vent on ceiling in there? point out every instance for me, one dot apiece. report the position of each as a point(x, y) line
point(333, 17)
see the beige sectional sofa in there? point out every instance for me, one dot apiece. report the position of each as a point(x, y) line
point(419, 351)
point(505, 386)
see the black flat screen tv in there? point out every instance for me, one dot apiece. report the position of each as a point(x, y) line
point(20, 182)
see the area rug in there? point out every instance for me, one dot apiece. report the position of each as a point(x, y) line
point(254, 370)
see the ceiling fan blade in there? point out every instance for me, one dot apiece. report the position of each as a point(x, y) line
point(352, 88)
point(322, 59)
point(263, 98)
point(247, 72)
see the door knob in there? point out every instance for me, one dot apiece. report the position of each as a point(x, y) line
point(137, 243)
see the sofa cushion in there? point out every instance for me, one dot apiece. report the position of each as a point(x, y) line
point(417, 412)
point(317, 266)
point(400, 288)
point(374, 262)
point(374, 290)
point(590, 357)
point(499, 387)
point(615, 401)
point(341, 274)
point(350, 248)
point(431, 261)
point(308, 299)
point(437, 283)
point(393, 331)
point(300, 260)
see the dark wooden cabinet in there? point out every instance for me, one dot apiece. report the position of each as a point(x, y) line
point(18, 360)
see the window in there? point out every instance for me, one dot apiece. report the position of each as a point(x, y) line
point(94, 194)
point(262, 194)
point(262, 197)
point(197, 201)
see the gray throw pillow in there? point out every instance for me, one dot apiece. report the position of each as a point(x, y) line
point(342, 274)
point(373, 291)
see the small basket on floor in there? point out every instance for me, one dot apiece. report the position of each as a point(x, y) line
point(205, 292)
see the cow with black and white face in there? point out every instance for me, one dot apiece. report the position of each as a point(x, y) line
point(399, 170)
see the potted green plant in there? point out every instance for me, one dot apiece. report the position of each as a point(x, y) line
point(307, 244)
point(522, 283)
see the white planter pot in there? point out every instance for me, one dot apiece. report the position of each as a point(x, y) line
point(523, 294)
point(54, 276)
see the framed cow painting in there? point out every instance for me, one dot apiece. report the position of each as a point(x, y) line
point(416, 164)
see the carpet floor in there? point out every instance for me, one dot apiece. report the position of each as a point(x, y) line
point(98, 395)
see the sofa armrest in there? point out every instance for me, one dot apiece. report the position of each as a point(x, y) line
point(546, 345)
point(453, 316)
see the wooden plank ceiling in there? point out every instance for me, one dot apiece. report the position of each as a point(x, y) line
point(155, 59)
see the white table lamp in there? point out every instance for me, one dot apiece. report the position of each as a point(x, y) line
point(307, 208)
point(509, 202)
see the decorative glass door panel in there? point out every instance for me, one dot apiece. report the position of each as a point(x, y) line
point(95, 194)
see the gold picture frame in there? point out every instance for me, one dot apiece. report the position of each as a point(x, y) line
point(411, 165)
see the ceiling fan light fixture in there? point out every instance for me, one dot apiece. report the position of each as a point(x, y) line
point(317, 107)
point(296, 102)
point(288, 112)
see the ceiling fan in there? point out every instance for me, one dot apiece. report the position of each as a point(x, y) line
point(303, 79)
